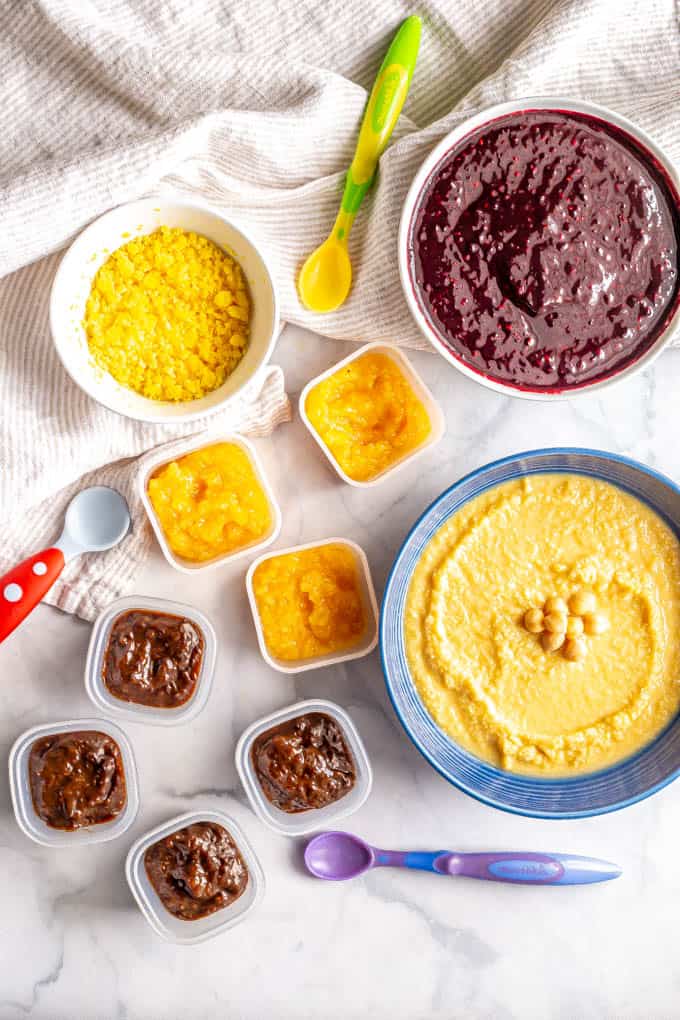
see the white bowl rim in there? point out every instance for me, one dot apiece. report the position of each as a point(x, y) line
point(560, 103)
point(152, 418)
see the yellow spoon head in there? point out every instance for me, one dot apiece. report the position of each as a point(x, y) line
point(326, 277)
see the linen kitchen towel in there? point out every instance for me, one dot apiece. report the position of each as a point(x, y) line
point(252, 107)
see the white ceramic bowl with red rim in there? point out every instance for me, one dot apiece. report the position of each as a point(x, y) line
point(73, 281)
point(415, 194)
point(179, 449)
point(175, 929)
point(434, 413)
point(369, 602)
point(27, 817)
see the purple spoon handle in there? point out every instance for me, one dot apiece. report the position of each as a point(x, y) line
point(526, 868)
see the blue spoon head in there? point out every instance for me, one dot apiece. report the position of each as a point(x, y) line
point(337, 856)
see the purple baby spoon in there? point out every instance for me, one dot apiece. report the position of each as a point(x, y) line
point(336, 856)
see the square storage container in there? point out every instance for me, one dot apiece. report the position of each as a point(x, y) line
point(174, 929)
point(102, 697)
point(369, 602)
point(27, 819)
point(304, 822)
point(179, 449)
point(434, 412)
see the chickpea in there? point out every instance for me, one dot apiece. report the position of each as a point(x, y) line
point(556, 623)
point(575, 626)
point(555, 605)
point(551, 642)
point(582, 602)
point(575, 649)
point(533, 621)
point(595, 623)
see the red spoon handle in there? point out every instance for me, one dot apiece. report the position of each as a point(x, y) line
point(22, 588)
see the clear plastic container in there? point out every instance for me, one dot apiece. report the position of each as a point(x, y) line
point(174, 929)
point(179, 449)
point(437, 421)
point(102, 697)
point(316, 818)
point(20, 789)
point(368, 599)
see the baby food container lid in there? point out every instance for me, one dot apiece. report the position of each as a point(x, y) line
point(178, 449)
point(370, 605)
point(174, 929)
point(316, 818)
point(437, 421)
point(27, 819)
point(107, 702)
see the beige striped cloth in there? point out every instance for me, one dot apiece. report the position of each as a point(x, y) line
point(253, 106)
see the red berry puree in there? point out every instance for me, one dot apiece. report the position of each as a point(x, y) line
point(545, 250)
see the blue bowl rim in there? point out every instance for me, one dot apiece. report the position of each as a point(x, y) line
point(490, 801)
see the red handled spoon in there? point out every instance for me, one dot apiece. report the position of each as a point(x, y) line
point(96, 519)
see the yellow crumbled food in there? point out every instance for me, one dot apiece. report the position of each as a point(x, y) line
point(310, 602)
point(168, 315)
point(210, 502)
point(368, 415)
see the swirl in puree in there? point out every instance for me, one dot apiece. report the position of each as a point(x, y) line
point(530, 702)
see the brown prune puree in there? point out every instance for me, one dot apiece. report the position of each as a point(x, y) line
point(76, 779)
point(304, 763)
point(196, 870)
point(153, 658)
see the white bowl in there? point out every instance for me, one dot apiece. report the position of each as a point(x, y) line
point(71, 288)
point(165, 924)
point(412, 202)
point(368, 599)
point(304, 822)
point(179, 449)
point(437, 423)
point(20, 788)
point(105, 701)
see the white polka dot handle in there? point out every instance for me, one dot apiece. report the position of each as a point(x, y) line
point(22, 588)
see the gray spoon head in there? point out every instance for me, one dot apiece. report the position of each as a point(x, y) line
point(96, 519)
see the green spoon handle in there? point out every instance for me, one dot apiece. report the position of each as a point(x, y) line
point(380, 117)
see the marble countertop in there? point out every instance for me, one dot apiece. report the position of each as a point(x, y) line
point(400, 945)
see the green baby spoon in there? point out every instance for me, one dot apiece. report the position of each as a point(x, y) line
point(326, 276)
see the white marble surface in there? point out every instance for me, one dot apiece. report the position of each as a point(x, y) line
point(399, 945)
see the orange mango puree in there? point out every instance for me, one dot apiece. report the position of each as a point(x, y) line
point(309, 602)
point(210, 502)
point(368, 415)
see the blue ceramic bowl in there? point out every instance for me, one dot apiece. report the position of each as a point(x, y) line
point(593, 793)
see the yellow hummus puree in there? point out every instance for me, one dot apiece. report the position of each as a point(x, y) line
point(489, 683)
